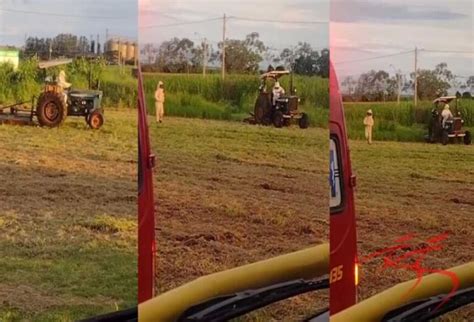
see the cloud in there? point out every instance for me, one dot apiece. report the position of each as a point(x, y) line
point(385, 12)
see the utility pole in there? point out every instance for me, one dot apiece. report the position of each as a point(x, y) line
point(223, 48)
point(204, 58)
point(416, 76)
point(399, 85)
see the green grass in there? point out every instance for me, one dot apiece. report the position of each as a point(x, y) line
point(195, 96)
point(68, 219)
point(399, 123)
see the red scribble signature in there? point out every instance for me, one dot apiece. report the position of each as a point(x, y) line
point(406, 255)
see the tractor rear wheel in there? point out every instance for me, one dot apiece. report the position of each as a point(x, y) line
point(467, 138)
point(444, 137)
point(95, 120)
point(262, 109)
point(278, 119)
point(51, 109)
point(304, 121)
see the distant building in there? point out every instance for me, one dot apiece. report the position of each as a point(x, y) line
point(10, 55)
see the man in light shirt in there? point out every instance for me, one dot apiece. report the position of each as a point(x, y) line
point(278, 92)
point(369, 124)
point(446, 114)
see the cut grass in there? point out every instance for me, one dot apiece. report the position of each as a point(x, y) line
point(229, 193)
point(404, 188)
point(68, 219)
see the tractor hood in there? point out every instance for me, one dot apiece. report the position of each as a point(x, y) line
point(85, 93)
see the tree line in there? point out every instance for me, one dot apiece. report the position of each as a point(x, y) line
point(242, 56)
point(62, 45)
point(380, 86)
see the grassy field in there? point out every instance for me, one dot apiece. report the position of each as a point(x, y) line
point(230, 193)
point(400, 123)
point(416, 188)
point(68, 219)
point(195, 96)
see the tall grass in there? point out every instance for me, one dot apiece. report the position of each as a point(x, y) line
point(193, 95)
point(118, 85)
point(403, 122)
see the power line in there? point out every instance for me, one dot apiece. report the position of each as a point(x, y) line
point(371, 58)
point(448, 51)
point(61, 14)
point(234, 18)
point(181, 23)
point(301, 22)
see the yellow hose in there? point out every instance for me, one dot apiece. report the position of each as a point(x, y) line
point(309, 263)
point(375, 307)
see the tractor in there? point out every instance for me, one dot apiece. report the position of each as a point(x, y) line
point(54, 104)
point(452, 127)
point(280, 111)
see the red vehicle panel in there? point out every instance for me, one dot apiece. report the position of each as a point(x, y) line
point(343, 240)
point(146, 204)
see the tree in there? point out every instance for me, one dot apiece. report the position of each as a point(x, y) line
point(375, 86)
point(177, 56)
point(303, 60)
point(150, 52)
point(350, 84)
point(434, 83)
point(242, 56)
point(470, 81)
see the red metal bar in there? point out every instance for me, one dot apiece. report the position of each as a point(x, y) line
point(146, 204)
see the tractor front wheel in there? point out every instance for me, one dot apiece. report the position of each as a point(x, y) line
point(95, 120)
point(278, 119)
point(444, 137)
point(51, 109)
point(467, 138)
point(304, 121)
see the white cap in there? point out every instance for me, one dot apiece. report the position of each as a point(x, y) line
point(160, 83)
point(277, 85)
point(369, 111)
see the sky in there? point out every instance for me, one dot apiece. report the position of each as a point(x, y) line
point(362, 29)
point(359, 29)
point(47, 18)
point(154, 14)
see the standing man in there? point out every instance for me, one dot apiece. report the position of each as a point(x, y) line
point(159, 102)
point(369, 124)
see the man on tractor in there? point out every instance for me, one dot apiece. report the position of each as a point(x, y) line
point(278, 92)
point(446, 114)
point(63, 84)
